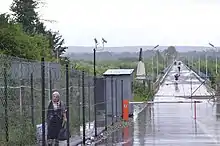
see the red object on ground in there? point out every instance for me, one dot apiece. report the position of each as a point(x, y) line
point(126, 136)
point(125, 110)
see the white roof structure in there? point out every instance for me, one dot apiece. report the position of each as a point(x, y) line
point(140, 74)
point(118, 72)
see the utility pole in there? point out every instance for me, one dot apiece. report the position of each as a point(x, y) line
point(216, 64)
point(94, 80)
point(157, 62)
point(57, 55)
point(153, 60)
point(216, 58)
point(199, 64)
point(206, 68)
point(152, 66)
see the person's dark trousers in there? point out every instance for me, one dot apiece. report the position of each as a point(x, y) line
point(50, 142)
point(53, 142)
point(56, 142)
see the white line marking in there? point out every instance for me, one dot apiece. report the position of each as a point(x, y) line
point(136, 102)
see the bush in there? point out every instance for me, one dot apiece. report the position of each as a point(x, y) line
point(141, 92)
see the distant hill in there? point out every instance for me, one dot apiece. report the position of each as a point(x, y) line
point(115, 53)
point(82, 49)
point(108, 55)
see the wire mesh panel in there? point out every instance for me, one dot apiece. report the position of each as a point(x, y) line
point(88, 105)
point(26, 88)
point(17, 94)
point(75, 102)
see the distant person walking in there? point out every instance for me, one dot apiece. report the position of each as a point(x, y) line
point(179, 69)
point(176, 78)
point(56, 115)
point(179, 64)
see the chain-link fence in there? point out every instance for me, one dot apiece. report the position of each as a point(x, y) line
point(26, 88)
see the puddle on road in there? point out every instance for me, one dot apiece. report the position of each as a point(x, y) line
point(126, 135)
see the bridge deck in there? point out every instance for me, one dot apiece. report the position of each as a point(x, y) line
point(172, 123)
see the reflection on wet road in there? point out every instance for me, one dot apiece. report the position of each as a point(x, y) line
point(173, 124)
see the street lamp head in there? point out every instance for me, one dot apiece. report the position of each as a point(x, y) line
point(156, 46)
point(103, 40)
point(211, 45)
point(96, 42)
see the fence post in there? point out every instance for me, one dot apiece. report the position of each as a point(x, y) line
point(67, 102)
point(83, 106)
point(112, 100)
point(122, 97)
point(50, 82)
point(106, 103)
point(21, 96)
point(94, 79)
point(72, 102)
point(71, 92)
point(32, 100)
point(43, 100)
point(116, 102)
point(79, 104)
point(89, 102)
point(6, 104)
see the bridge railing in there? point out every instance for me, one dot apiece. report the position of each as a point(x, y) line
point(202, 78)
point(161, 78)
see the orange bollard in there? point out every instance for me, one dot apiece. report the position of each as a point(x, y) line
point(125, 110)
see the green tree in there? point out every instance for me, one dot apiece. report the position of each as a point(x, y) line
point(160, 57)
point(56, 44)
point(24, 12)
point(5, 18)
point(41, 28)
point(170, 52)
point(15, 42)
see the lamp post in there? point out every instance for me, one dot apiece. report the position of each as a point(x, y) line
point(153, 60)
point(166, 59)
point(216, 58)
point(157, 61)
point(94, 71)
point(199, 64)
point(206, 65)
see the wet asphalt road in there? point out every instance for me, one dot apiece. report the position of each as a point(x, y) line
point(173, 124)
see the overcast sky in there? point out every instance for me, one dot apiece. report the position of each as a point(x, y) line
point(134, 22)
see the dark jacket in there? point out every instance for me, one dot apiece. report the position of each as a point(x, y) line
point(55, 119)
point(176, 77)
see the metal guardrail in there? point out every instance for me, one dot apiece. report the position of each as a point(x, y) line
point(157, 102)
point(161, 78)
point(207, 81)
point(167, 70)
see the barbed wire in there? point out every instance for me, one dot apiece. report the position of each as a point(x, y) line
point(46, 89)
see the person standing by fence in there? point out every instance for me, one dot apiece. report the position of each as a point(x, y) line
point(56, 116)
